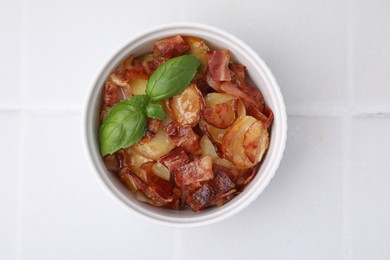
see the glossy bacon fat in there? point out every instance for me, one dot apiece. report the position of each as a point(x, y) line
point(213, 139)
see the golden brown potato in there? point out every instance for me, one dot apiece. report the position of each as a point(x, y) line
point(198, 49)
point(215, 133)
point(221, 115)
point(161, 171)
point(186, 107)
point(213, 99)
point(256, 142)
point(138, 86)
point(232, 143)
point(208, 149)
point(158, 146)
point(134, 161)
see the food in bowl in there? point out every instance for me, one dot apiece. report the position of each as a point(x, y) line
point(182, 127)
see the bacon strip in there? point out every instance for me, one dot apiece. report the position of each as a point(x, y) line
point(153, 125)
point(233, 174)
point(221, 183)
point(196, 171)
point(151, 65)
point(112, 94)
point(218, 62)
point(170, 47)
point(159, 189)
point(252, 92)
point(246, 177)
point(112, 162)
point(176, 158)
point(232, 89)
point(266, 117)
point(183, 136)
point(201, 198)
point(238, 70)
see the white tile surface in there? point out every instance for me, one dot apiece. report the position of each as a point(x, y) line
point(10, 54)
point(329, 197)
point(371, 54)
point(70, 40)
point(370, 188)
point(303, 42)
point(9, 176)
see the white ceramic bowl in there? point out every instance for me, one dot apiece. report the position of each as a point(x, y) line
point(258, 73)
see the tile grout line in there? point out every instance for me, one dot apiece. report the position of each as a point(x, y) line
point(347, 120)
point(24, 57)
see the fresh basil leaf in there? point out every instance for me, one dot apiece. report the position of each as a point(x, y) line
point(155, 110)
point(123, 126)
point(172, 77)
point(139, 101)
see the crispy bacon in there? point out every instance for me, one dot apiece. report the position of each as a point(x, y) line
point(221, 115)
point(221, 183)
point(183, 136)
point(238, 70)
point(170, 47)
point(176, 158)
point(246, 177)
point(252, 92)
point(136, 71)
point(131, 180)
point(159, 188)
point(233, 174)
point(266, 117)
point(218, 62)
point(112, 94)
point(153, 125)
point(202, 85)
point(196, 171)
point(150, 65)
point(201, 198)
point(187, 190)
point(226, 197)
point(232, 89)
point(212, 83)
point(112, 162)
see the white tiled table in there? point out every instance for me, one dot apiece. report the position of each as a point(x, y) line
point(330, 199)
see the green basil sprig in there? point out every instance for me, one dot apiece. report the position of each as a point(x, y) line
point(123, 126)
point(155, 110)
point(172, 77)
point(126, 122)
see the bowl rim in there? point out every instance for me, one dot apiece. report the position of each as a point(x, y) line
point(214, 217)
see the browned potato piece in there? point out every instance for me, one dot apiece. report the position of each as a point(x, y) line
point(213, 99)
point(161, 171)
point(232, 142)
point(134, 160)
point(256, 141)
point(208, 149)
point(198, 49)
point(215, 132)
point(167, 108)
point(221, 115)
point(138, 86)
point(158, 146)
point(186, 107)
